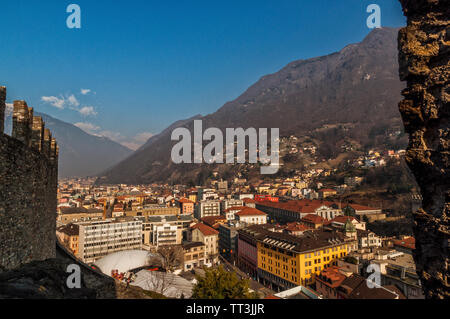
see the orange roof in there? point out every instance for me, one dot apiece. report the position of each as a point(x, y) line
point(332, 277)
point(296, 227)
point(185, 200)
point(232, 208)
point(206, 230)
point(249, 211)
point(299, 206)
point(249, 200)
point(407, 243)
point(316, 219)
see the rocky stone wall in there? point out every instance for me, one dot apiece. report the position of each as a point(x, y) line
point(424, 50)
point(28, 188)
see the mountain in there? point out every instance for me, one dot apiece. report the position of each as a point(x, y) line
point(358, 86)
point(81, 154)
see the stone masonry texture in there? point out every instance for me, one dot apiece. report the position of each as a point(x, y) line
point(424, 49)
point(28, 188)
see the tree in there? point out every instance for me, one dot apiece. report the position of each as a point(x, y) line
point(220, 284)
point(171, 257)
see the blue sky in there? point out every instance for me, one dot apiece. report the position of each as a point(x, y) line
point(150, 63)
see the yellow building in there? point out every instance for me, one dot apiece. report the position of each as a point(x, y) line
point(154, 211)
point(286, 261)
point(192, 197)
point(68, 235)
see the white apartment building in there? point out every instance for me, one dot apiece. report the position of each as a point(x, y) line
point(100, 238)
point(227, 203)
point(166, 234)
point(207, 208)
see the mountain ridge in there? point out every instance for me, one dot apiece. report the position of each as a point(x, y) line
point(80, 153)
point(358, 84)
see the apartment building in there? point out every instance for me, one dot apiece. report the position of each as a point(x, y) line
point(286, 261)
point(295, 210)
point(193, 255)
point(166, 235)
point(100, 238)
point(186, 206)
point(206, 208)
point(153, 227)
point(227, 203)
point(153, 210)
point(251, 216)
point(68, 235)
point(210, 238)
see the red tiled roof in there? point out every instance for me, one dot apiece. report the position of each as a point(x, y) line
point(249, 200)
point(185, 200)
point(249, 211)
point(296, 227)
point(343, 219)
point(206, 230)
point(407, 243)
point(332, 277)
point(316, 219)
point(234, 208)
point(300, 206)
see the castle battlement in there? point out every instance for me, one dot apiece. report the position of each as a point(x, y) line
point(28, 187)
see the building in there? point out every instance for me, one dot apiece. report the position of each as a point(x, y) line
point(247, 250)
point(357, 287)
point(186, 206)
point(222, 186)
point(340, 221)
point(251, 216)
point(100, 238)
point(193, 255)
point(326, 192)
point(68, 235)
point(206, 208)
point(230, 212)
point(228, 240)
point(328, 281)
point(153, 229)
point(228, 203)
point(154, 209)
point(166, 235)
point(78, 214)
point(214, 221)
point(360, 211)
point(312, 221)
point(368, 239)
point(210, 238)
point(286, 261)
point(295, 210)
point(249, 202)
point(405, 244)
point(399, 270)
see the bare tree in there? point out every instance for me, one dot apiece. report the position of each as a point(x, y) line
point(171, 257)
point(160, 282)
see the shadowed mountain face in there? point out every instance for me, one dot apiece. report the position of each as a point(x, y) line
point(81, 154)
point(358, 85)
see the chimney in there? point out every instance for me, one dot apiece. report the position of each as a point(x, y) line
point(21, 122)
point(2, 108)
